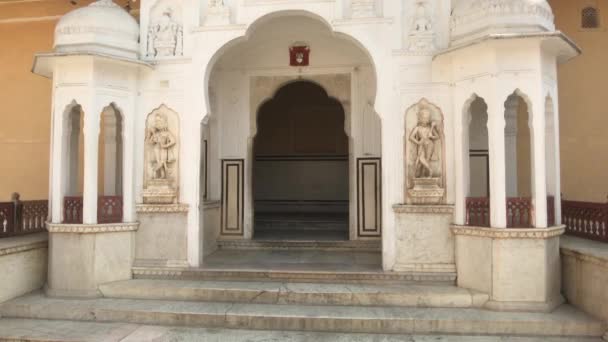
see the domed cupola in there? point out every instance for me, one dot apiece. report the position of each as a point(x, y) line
point(102, 27)
point(473, 19)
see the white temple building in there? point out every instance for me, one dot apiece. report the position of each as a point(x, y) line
point(222, 126)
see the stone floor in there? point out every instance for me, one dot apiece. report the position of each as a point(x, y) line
point(68, 331)
point(295, 260)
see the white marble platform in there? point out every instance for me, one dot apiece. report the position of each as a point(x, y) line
point(69, 331)
point(566, 321)
point(297, 293)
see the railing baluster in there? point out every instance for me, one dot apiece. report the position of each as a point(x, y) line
point(586, 220)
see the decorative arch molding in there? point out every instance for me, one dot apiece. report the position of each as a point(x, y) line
point(369, 48)
point(336, 86)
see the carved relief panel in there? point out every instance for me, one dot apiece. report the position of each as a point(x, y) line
point(218, 13)
point(161, 157)
point(363, 8)
point(424, 154)
point(165, 30)
point(421, 36)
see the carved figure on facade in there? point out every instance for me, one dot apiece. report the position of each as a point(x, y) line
point(424, 136)
point(217, 13)
point(422, 33)
point(163, 142)
point(165, 36)
point(362, 8)
point(424, 154)
point(161, 157)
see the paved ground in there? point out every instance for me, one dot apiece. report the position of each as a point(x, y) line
point(41, 330)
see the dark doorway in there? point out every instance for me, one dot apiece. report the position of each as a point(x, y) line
point(301, 168)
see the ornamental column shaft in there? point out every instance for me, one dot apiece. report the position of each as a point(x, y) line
point(91, 142)
point(496, 146)
point(461, 157)
point(539, 170)
point(128, 168)
point(59, 162)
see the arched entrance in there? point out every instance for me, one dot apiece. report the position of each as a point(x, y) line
point(256, 165)
point(301, 166)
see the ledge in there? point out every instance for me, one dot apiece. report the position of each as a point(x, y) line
point(43, 62)
point(92, 228)
point(162, 208)
point(211, 204)
point(590, 251)
point(559, 37)
point(19, 244)
point(423, 209)
point(503, 233)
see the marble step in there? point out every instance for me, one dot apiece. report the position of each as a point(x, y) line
point(28, 330)
point(301, 225)
point(296, 293)
point(295, 275)
point(566, 321)
point(270, 244)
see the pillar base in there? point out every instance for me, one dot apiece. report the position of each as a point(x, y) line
point(424, 242)
point(162, 238)
point(83, 256)
point(518, 268)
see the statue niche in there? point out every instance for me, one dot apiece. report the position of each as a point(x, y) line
point(165, 33)
point(161, 157)
point(424, 154)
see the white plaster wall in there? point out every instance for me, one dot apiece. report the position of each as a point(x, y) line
point(94, 83)
point(23, 271)
point(218, 62)
point(494, 70)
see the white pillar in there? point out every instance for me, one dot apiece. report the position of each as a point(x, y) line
point(496, 144)
point(128, 169)
point(511, 111)
point(461, 157)
point(110, 160)
point(557, 162)
point(59, 162)
point(539, 171)
point(91, 142)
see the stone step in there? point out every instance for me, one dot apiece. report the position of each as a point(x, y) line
point(301, 225)
point(294, 274)
point(296, 293)
point(270, 244)
point(27, 330)
point(565, 321)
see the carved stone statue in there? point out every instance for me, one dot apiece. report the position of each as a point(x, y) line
point(165, 36)
point(424, 137)
point(161, 157)
point(422, 34)
point(163, 142)
point(424, 154)
point(362, 8)
point(422, 21)
point(217, 13)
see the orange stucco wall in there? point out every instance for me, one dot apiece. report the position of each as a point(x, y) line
point(25, 111)
point(583, 110)
point(27, 28)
